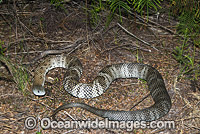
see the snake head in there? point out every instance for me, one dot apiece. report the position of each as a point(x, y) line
point(39, 90)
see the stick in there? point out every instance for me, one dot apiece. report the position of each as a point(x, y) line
point(73, 47)
point(146, 43)
point(154, 23)
point(39, 39)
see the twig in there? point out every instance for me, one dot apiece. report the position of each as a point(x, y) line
point(146, 43)
point(15, 14)
point(45, 53)
point(140, 101)
point(39, 39)
point(191, 126)
point(125, 47)
point(109, 49)
point(69, 115)
point(31, 32)
point(154, 23)
point(141, 19)
point(73, 47)
point(41, 103)
point(18, 53)
point(189, 118)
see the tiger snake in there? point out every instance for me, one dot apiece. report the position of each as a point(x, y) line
point(155, 82)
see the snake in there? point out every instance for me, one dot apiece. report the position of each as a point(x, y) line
point(73, 66)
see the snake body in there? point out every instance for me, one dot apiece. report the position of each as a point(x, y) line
point(102, 82)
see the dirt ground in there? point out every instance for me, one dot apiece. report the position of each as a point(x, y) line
point(28, 30)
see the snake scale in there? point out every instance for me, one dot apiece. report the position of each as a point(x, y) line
point(156, 86)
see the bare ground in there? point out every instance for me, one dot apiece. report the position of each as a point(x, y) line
point(28, 30)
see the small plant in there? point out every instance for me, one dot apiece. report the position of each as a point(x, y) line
point(2, 49)
point(119, 6)
point(19, 74)
point(57, 3)
point(142, 5)
point(94, 12)
point(188, 14)
point(185, 59)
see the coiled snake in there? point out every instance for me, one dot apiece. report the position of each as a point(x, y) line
point(102, 82)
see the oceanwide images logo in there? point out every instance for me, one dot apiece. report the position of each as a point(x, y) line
point(46, 123)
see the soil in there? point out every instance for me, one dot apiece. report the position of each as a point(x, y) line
point(29, 29)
